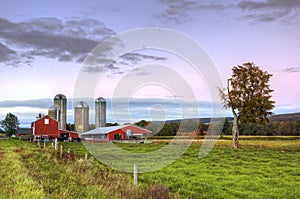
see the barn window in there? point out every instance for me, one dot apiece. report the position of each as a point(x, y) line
point(128, 133)
point(46, 121)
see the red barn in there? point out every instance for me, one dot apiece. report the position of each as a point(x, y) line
point(105, 134)
point(47, 128)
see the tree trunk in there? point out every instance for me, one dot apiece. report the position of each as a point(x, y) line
point(235, 126)
point(235, 132)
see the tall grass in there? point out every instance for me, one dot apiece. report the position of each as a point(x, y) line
point(15, 180)
point(260, 169)
point(45, 173)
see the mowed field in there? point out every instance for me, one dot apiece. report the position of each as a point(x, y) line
point(262, 168)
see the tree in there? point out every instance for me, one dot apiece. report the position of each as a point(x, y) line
point(248, 94)
point(202, 129)
point(112, 124)
point(166, 130)
point(142, 123)
point(10, 124)
point(226, 127)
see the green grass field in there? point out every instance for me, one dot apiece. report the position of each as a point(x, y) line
point(27, 171)
point(262, 168)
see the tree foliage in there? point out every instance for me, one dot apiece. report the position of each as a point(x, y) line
point(10, 124)
point(248, 94)
point(172, 128)
point(142, 123)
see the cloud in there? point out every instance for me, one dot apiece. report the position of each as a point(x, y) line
point(6, 53)
point(140, 72)
point(270, 10)
point(292, 70)
point(64, 41)
point(269, 4)
point(51, 38)
point(136, 57)
point(120, 66)
point(265, 17)
point(178, 11)
point(38, 103)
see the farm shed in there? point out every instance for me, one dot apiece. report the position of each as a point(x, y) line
point(23, 131)
point(68, 135)
point(47, 128)
point(123, 132)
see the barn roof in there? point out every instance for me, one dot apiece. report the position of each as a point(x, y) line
point(24, 131)
point(106, 130)
point(46, 116)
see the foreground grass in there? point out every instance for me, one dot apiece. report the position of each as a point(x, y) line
point(15, 181)
point(260, 169)
point(30, 172)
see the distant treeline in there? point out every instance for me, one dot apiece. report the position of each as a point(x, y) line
point(291, 117)
point(275, 128)
point(280, 125)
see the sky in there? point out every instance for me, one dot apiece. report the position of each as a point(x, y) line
point(44, 45)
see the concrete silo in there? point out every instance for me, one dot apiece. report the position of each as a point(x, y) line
point(61, 102)
point(53, 112)
point(81, 117)
point(100, 112)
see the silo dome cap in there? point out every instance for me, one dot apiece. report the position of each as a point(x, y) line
point(60, 97)
point(100, 99)
point(81, 105)
point(53, 108)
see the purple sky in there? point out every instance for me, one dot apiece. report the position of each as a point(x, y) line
point(42, 44)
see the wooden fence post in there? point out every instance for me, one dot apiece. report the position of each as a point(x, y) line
point(69, 153)
point(61, 151)
point(55, 144)
point(135, 174)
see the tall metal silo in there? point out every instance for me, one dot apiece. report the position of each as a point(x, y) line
point(100, 112)
point(60, 101)
point(53, 112)
point(81, 117)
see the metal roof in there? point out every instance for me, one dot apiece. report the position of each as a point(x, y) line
point(60, 97)
point(100, 99)
point(82, 104)
point(106, 130)
point(103, 130)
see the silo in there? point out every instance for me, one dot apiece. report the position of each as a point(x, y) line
point(61, 102)
point(100, 112)
point(81, 117)
point(53, 112)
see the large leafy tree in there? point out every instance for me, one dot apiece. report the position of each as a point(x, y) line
point(10, 124)
point(248, 94)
